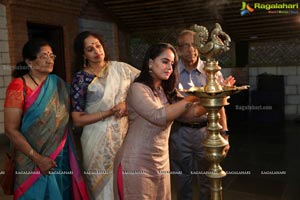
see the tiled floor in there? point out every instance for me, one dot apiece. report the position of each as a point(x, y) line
point(263, 149)
point(256, 148)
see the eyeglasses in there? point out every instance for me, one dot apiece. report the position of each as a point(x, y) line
point(187, 46)
point(45, 56)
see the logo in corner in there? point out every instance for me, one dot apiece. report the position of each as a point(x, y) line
point(246, 9)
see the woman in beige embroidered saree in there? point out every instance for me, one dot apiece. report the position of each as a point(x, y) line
point(98, 96)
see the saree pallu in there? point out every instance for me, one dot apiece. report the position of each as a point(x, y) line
point(45, 127)
point(101, 140)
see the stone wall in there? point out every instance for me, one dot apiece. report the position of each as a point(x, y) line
point(5, 69)
point(291, 86)
point(291, 76)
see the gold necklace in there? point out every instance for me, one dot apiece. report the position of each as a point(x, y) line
point(90, 69)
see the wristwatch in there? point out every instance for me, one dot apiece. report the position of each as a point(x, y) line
point(225, 133)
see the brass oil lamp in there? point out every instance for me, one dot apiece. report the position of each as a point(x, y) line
point(213, 97)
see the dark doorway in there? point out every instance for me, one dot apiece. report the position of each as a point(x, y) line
point(54, 35)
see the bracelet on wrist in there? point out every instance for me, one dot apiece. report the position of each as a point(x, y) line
point(100, 115)
point(188, 105)
point(31, 153)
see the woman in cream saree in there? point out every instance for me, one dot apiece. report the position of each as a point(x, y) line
point(98, 95)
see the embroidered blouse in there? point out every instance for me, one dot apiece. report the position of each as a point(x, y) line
point(79, 87)
point(15, 94)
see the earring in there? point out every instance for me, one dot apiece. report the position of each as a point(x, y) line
point(150, 68)
point(85, 62)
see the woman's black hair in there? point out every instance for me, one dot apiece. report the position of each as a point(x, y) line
point(169, 86)
point(30, 51)
point(79, 48)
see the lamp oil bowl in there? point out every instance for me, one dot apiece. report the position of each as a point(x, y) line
point(213, 97)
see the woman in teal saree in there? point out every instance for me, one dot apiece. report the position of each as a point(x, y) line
point(37, 123)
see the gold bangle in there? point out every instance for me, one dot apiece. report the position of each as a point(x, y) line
point(31, 152)
point(101, 116)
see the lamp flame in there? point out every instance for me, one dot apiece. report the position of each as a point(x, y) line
point(180, 87)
